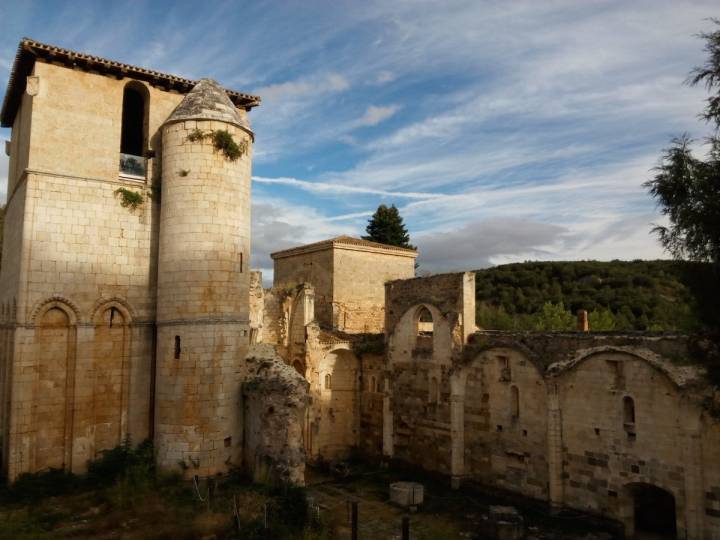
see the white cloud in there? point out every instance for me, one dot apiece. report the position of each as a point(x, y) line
point(321, 84)
point(385, 77)
point(330, 188)
point(374, 115)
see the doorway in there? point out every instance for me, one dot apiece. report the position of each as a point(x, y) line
point(654, 510)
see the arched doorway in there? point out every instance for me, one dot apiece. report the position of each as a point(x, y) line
point(338, 428)
point(653, 513)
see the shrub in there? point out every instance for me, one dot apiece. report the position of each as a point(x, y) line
point(223, 142)
point(128, 198)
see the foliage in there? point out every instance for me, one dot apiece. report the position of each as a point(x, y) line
point(386, 227)
point(196, 135)
point(618, 295)
point(554, 317)
point(136, 465)
point(35, 486)
point(222, 141)
point(687, 188)
point(129, 199)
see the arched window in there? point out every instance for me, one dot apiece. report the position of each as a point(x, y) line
point(628, 411)
point(133, 135)
point(514, 402)
point(425, 329)
point(328, 382)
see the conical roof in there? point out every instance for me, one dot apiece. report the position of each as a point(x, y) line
point(208, 101)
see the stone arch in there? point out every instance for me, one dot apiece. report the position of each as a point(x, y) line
point(54, 351)
point(116, 302)
point(673, 374)
point(109, 373)
point(497, 441)
point(134, 137)
point(652, 509)
point(404, 337)
point(337, 427)
point(60, 302)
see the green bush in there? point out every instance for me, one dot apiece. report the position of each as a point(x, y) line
point(223, 142)
point(128, 198)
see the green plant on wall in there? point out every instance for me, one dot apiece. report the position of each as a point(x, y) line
point(129, 199)
point(222, 141)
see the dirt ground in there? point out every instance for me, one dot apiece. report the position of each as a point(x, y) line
point(177, 510)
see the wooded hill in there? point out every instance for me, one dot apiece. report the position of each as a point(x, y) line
point(619, 295)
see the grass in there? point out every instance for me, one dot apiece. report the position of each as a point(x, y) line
point(122, 495)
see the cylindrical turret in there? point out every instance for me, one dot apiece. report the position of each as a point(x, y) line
point(203, 282)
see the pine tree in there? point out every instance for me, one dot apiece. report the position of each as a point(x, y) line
point(386, 227)
point(687, 188)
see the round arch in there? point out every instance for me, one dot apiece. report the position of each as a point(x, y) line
point(56, 302)
point(102, 305)
point(656, 362)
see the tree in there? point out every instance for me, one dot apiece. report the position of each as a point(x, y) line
point(688, 188)
point(386, 227)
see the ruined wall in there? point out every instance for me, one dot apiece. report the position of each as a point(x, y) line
point(418, 412)
point(274, 400)
point(316, 268)
point(595, 422)
point(709, 508)
point(607, 449)
point(372, 367)
point(505, 422)
point(257, 306)
point(359, 285)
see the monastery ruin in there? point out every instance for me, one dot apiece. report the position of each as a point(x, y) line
point(129, 309)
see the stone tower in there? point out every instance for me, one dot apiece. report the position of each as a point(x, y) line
point(203, 281)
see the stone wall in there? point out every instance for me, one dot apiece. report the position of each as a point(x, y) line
point(274, 400)
point(359, 286)
point(203, 324)
point(316, 268)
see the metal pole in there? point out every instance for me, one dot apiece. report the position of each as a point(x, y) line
point(354, 521)
point(405, 528)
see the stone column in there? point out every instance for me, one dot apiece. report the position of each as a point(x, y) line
point(457, 428)
point(555, 443)
point(387, 428)
point(694, 489)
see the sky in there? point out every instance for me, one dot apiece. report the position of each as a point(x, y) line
point(503, 131)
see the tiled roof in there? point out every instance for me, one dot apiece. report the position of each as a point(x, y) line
point(29, 50)
point(342, 241)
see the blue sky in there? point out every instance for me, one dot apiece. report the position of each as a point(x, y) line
point(504, 131)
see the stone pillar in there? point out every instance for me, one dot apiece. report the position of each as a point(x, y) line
point(457, 428)
point(387, 429)
point(555, 443)
point(694, 488)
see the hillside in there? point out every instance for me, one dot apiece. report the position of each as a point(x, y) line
point(620, 295)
